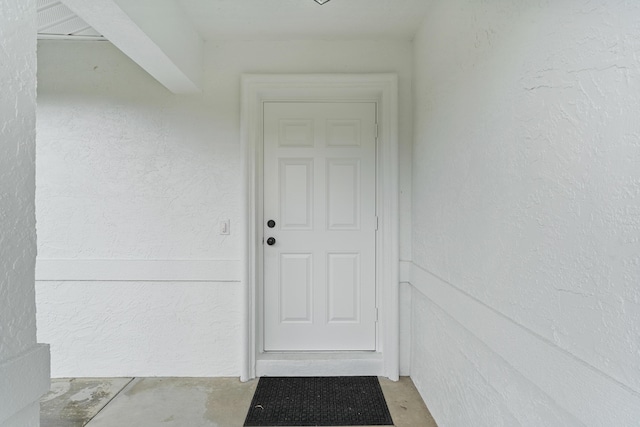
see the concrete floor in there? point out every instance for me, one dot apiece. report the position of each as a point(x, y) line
point(185, 402)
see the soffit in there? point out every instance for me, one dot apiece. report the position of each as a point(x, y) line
point(55, 20)
point(305, 19)
point(165, 37)
point(266, 19)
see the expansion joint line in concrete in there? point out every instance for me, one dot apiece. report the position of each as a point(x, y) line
point(110, 400)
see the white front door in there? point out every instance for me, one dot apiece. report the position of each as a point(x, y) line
point(319, 226)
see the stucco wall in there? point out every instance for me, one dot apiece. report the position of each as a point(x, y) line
point(131, 174)
point(24, 369)
point(526, 208)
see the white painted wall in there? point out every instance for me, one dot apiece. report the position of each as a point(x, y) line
point(129, 174)
point(526, 209)
point(24, 365)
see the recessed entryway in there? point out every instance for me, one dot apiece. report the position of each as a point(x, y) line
point(321, 221)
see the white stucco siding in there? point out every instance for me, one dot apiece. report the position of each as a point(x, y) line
point(525, 207)
point(17, 179)
point(123, 329)
point(24, 365)
point(127, 169)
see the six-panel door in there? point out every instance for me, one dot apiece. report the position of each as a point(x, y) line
point(320, 190)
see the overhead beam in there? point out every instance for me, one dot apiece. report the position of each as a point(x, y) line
point(156, 34)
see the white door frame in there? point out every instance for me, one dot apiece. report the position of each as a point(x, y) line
point(379, 88)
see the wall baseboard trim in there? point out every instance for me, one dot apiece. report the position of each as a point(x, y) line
point(589, 394)
point(125, 270)
point(23, 380)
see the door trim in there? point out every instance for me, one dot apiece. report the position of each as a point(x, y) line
point(379, 88)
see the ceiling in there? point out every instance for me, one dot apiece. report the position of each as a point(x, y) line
point(167, 37)
point(266, 19)
point(287, 19)
point(55, 20)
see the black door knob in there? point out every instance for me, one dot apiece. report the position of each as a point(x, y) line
point(271, 223)
point(271, 241)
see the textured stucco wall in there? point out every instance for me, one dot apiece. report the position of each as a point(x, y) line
point(18, 401)
point(128, 171)
point(17, 180)
point(526, 208)
point(141, 328)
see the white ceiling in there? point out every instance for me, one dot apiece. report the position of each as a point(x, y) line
point(288, 19)
point(55, 20)
point(267, 19)
point(167, 37)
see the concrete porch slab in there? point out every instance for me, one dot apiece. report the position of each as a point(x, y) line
point(179, 402)
point(73, 402)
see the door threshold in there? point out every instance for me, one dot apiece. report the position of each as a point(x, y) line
point(320, 364)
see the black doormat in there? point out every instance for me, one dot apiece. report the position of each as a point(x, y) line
point(318, 401)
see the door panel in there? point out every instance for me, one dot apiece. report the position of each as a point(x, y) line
point(343, 271)
point(343, 191)
point(295, 133)
point(296, 194)
point(343, 133)
point(319, 188)
point(296, 297)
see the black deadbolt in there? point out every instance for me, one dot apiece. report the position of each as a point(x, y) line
point(271, 223)
point(271, 241)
